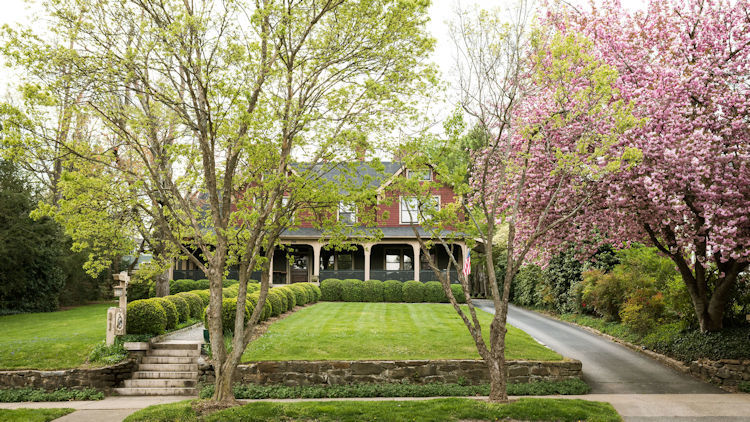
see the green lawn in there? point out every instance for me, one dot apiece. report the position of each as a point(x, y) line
point(51, 340)
point(33, 415)
point(382, 331)
point(421, 410)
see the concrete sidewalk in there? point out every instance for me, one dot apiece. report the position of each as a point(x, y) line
point(632, 407)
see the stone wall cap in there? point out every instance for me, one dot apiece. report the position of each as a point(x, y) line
point(136, 345)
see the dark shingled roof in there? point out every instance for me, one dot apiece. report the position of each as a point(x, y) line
point(356, 172)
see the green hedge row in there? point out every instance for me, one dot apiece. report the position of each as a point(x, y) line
point(279, 300)
point(351, 290)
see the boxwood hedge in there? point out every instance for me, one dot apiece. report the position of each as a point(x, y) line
point(183, 309)
point(352, 290)
point(372, 291)
point(146, 316)
point(195, 304)
point(171, 311)
point(433, 292)
point(414, 291)
point(392, 291)
point(330, 289)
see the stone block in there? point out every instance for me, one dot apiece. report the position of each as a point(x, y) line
point(518, 371)
point(366, 368)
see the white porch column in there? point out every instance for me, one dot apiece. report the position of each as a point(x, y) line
point(316, 261)
point(367, 247)
point(416, 248)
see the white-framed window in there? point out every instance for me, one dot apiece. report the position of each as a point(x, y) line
point(409, 208)
point(425, 175)
point(347, 213)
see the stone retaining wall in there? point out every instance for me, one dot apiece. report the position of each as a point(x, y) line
point(725, 372)
point(295, 373)
point(100, 378)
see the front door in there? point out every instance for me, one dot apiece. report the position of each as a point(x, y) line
point(298, 268)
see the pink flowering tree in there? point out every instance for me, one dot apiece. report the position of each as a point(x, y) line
point(685, 67)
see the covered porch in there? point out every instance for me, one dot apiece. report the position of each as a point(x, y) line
point(396, 259)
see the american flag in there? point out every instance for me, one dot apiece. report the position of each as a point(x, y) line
point(467, 264)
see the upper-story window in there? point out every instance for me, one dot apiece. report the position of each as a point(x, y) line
point(410, 207)
point(347, 213)
point(419, 174)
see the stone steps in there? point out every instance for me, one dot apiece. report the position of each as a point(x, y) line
point(160, 383)
point(180, 360)
point(141, 391)
point(164, 375)
point(170, 368)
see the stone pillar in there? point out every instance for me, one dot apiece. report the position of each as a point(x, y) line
point(367, 247)
point(316, 261)
point(417, 249)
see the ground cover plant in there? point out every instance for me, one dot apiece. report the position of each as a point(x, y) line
point(539, 388)
point(52, 340)
point(452, 409)
point(357, 331)
point(33, 415)
point(13, 395)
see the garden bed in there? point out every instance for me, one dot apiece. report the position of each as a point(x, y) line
point(419, 410)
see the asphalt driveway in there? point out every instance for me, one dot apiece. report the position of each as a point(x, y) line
point(608, 367)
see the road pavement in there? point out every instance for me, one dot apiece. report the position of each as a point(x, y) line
point(608, 367)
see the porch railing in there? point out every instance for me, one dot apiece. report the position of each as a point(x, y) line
point(400, 275)
point(342, 274)
point(233, 274)
point(429, 275)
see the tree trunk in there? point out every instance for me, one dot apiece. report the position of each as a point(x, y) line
point(161, 284)
point(223, 386)
point(498, 381)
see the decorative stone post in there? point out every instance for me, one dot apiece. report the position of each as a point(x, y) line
point(116, 317)
point(367, 248)
point(417, 260)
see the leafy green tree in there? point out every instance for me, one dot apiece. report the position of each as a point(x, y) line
point(31, 251)
point(225, 123)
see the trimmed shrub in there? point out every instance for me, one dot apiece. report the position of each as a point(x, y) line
point(351, 290)
point(183, 309)
point(458, 293)
point(392, 291)
point(185, 285)
point(290, 296)
point(330, 290)
point(253, 286)
point(277, 304)
point(317, 291)
point(146, 316)
point(372, 291)
point(171, 311)
point(229, 313)
point(205, 296)
point(300, 294)
point(195, 304)
point(230, 291)
point(282, 297)
point(227, 282)
point(267, 307)
point(433, 292)
point(414, 291)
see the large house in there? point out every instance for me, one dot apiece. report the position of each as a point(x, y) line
point(396, 255)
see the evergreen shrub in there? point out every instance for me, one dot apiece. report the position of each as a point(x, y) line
point(392, 291)
point(146, 316)
point(414, 291)
point(205, 296)
point(183, 309)
point(433, 292)
point(351, 290)
point(301, 294)
point(195, 304)
point(372, 291)
point(330, 290)
point(290, 296)
point(458, 293)
point(171, 311)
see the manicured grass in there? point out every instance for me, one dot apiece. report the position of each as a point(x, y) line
point(33, 415)
point(422, 410)
point(382, 331)
point(51, 340)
